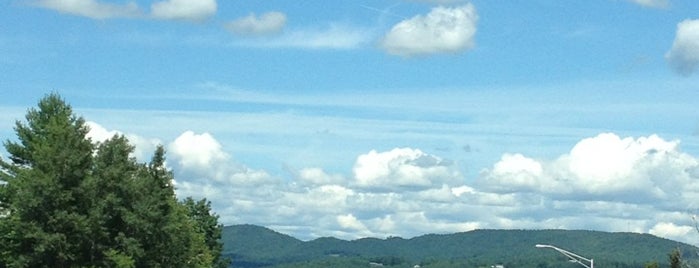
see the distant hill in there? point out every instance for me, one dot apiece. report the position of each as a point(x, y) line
point(255, 246)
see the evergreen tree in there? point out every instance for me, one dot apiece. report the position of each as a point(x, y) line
point(112, 189)
point(675, 259)
point(170, 237)
point(66, 202)
point(207, 223)
point(46, 224)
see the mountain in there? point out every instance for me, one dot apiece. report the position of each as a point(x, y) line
point(255, 246)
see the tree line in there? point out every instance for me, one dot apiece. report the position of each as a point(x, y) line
point(68, 201)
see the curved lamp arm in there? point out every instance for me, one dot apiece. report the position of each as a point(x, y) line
point(571, 256)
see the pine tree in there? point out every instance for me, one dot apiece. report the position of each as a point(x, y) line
point(675, 258)
point(207, 223)
point(170, 237)
point(112, 189)
point(46, 225)
point(66, 202)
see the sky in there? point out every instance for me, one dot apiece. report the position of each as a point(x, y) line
point(357, 118)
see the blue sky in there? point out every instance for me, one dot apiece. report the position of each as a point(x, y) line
point(377, 118)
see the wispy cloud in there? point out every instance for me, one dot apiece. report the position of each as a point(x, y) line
point(267, 23)
point(652, 3)
point(189, 10)
point(334, 36)
point(93, 9)
point(441, 2)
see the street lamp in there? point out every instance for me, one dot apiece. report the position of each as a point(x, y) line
point(572, 256)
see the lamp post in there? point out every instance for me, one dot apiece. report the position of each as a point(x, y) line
point(571, 256)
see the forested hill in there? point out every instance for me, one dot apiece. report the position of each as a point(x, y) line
point(255, 246)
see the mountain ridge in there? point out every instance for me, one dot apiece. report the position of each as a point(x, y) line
point(256, 246)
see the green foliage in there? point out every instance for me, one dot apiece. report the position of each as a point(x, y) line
point(67, 202)
point(118, 259)
point(675, 258)
point(653, 264)
point(47, 223)
point(207, 224)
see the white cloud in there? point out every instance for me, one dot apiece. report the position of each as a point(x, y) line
point(610, 161)
point(652, 3)
point(401, 168)
point(441, 2)
point(443, 30)
point(418, 221)
point(515, 170)
point(201, 157)
point(189, 10)
point(350, 222)
point(684, 54)
point(197, 151)
point(671, 230)
point(307, 206)
point(93, 9)
point(317, 176)
point(143, 147)
point(408, 193)
point(605, 182)
point(267, 23)
point(605, 166)
point(98, 133)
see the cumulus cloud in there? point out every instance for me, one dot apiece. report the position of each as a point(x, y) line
point(683, 57)
point(652, 3)
point(197, 151)
point(189, 10)
point(93, 9)
point(401, 168)
point(442, 30)
point(407, 192)
point(99, 133)
point(350, 222)
point(267, 23)
point(201, 156)
point(605, 166)
point(516, 169)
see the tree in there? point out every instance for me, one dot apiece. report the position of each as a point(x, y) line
point(207, 223)
point(675, 258)
point(652, 265)
point(44, 196)
point(112, 188)
point(68, 202)
point(170, 237)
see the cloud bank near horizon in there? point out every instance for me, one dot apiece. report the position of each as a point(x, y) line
point(605, 182)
